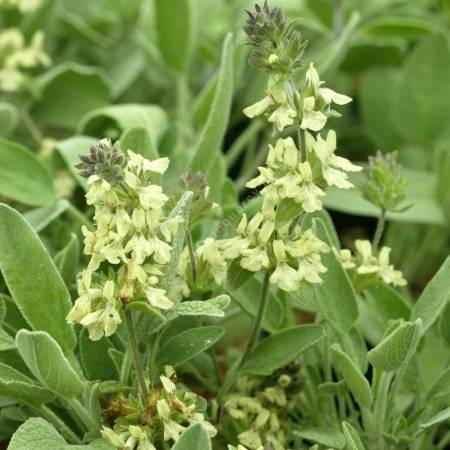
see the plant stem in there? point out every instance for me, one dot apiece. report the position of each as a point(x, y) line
point(258, 320)
point(192, 255)
point(136, 358)
point(152, 361)
point(45, 412)
point(79, 216)
point(380, 409)
point(82, 414)
point(379, 230)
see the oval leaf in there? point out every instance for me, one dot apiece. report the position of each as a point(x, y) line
point(23, 177)
point(195, 437)
point(281, 348)
point(394, 350)
point(187, 344)
point(46, 361)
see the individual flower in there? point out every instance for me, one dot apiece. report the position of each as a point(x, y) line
point(312, 119)
point(334, 167)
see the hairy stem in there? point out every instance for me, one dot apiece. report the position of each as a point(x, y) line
point(190, 244)
point(379, 230)
point(136, 357)
point(83, 415)
point(258, 320)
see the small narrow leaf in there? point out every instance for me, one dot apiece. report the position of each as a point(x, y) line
point(393, 351)
point(352, 437)
point(46, 361)
point(328, 437)
point(187, 344)
point(39, 218)
point(434, 297)
point(442, 416)
point(281, 348)
point(212, 308)
point(356, 381)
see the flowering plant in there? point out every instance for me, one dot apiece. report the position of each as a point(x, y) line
point(155, 300)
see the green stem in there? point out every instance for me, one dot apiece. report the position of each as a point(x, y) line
point(34, 130)
point(192, 255)
point(380, 409)
point(125, 368)
point(80, 411)
point(379, 230)
point(257, 324)
point(152, 362)
point(45, 412)
point(136, 357)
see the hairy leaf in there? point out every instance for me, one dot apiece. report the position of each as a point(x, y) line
point(32, 278)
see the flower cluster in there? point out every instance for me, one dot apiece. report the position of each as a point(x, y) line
point(367, 268)
point(16, 56)
point(310, 106)
point(131, 238)
point(261, 413)
point(171, 409)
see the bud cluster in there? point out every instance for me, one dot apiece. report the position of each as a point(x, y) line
point(384, 185)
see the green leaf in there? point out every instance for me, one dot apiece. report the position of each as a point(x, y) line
point(352, 437)
point(421, 106)
point(95, 358)
point(138, 139)
point(70, 150)
point(444, 320)
point(2, 308)
point(23, 177)
point(210, 140)
point(420, 193)
point(32, 278)
point(324, 216)
point(46, 361)
point(187, 344)
point(183, 209)
point(123, 117)
point(145, 307)
point(335, 296)
point(441, 387)
point(6, 341)
point(68, 92)
point(9, 118)
point(442, 416)
point(67, 260)
point(328, 437)
point(434, 297)
point(281, 348)
point(174, 23)
point(195, 437)
point(38, 434)
point(287, 209)
point(39, 218)
point(213, 307)
point(18, 386)
point(394, 350)
point(406, 27)
point(377, 107)
point(356, 381)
